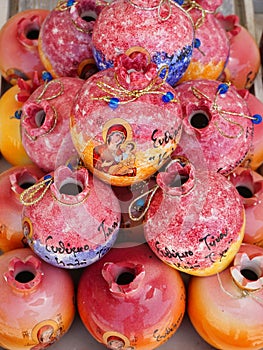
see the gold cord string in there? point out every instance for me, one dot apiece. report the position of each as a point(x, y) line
point(70, 204)
point(46, 86)
point(192, 4)
point(223, 113)
point(151, 192)
point(127, 96)
point(243, 293)
point(35, 193)
point(62, 5)
point(168, 3)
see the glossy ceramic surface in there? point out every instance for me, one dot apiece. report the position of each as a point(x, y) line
point(70, 219)
point(13, 181)
point(45, 122)
point(147, 295)
point(19, 45)
point(226, 309)
point(34, 312)
point(126, 121)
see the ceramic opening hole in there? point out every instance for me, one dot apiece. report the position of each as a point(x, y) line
point(249, 274)
point(40, 118)
point(26, 181)
point(33, 34)
point(88, 16)
point(179, 180)
point(70, 188)
point(199, 120)
point(244, 192)
point(24, 276)
point(126, 277)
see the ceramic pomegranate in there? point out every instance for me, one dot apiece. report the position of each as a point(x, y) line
point(195, 220)
point(226, 309)
point(126, 121)
point(13, 181)
point(255, 106)
point(45, 122)
point(11, 145)
point(65, 39)
point(211, 48)
point(164, 30)
point(33, 312)
point(250, 187)
point(19, 56)
point(219, 118)
point(244, 60)
point(131, 300)
point(70, 219)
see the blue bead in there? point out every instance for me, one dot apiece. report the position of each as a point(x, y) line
point(70, 3)
point(222, 88)
point(140, 202)
point(18, 114)
point(46, 76)
point(114, 102)
point(257, 119)
point(167, 97)
point(179, 2)
point(47, 177)
point(197, 43)
point(70, 166)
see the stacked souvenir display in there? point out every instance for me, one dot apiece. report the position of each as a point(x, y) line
point(135, 159)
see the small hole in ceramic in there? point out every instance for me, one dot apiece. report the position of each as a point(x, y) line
point(125, 277)
point(199, 120)
point(249, 274)
point(179, 180)
point(26, 181)
point(40, 118)
point(244, 192)
point(70, 188)
point(24, 276)
point(32, 34)
point(88, 16)
point(87, 71)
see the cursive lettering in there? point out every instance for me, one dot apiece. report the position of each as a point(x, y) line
point(171, 253)
point(211, 241)
point(62, 249)
point(167, 137)
point(168, 332)
point(109, 230)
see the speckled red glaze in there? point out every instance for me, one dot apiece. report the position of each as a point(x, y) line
point(147, 25)
point(74, 227)
point(34, 312)
point(253, 202)
point(140, 314)
point(19, 53)
point(227, 139)
point(209, 60)
point(152, 126)
point(244, 60)
point(65, 38)
point(195, 226)
point(255, 106)
point(45, 122)
point(12, 183)
point(226, 309)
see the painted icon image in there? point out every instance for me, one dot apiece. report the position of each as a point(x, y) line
point(116, 156)
point(46, 336)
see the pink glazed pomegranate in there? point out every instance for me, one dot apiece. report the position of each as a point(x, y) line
point(244, 57)
point(195, 220)
point(19, 57)
point(12, 183)
point(45, 122)
point(226, 309)
point(34, 313)
point(211, 49)
point(126, 121)
point(162, 29)
point(250, 187)
point(130, 300)
point(70, 219)
point(220, 120)
point(65, 39)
